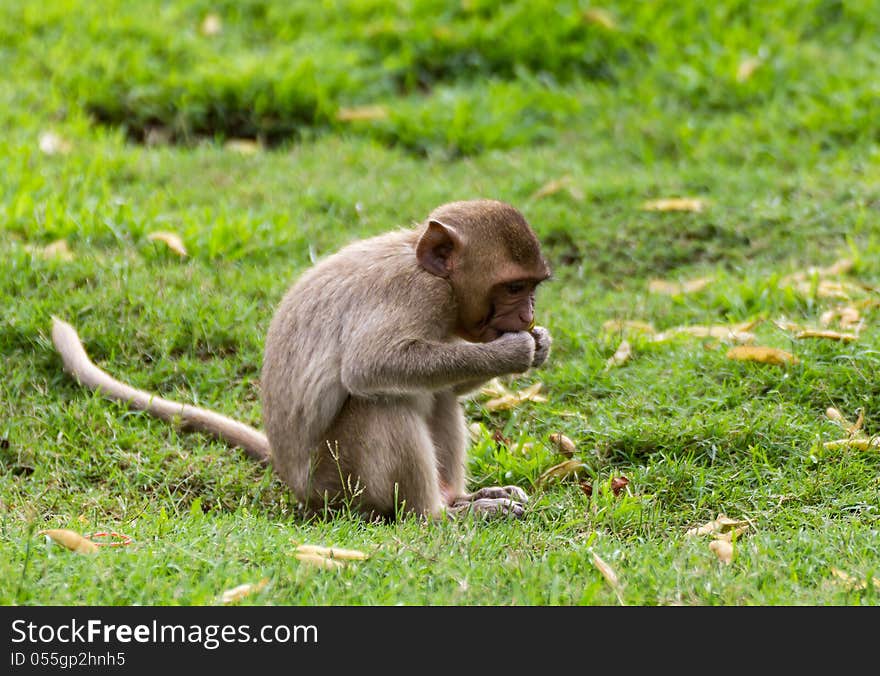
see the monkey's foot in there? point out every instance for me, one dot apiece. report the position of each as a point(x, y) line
point(495, 492)
point(487, 508)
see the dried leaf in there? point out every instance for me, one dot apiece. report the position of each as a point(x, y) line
point(494, 388)
point(620, 325)
point(555, 186)
point(475, 431)
point(786, 325)
point(679, 288)
point(564, 470)
point(621, 356)
point(860, 443)
point(831, 289)
point(319, 561)
point(826, 288)
point(71, 539)
point(609, 575)
point(52, 144)
point(840, 267)
point(550, 188)
point(242, 590)
point(859, 422)
point(762, 355)
point(600, 17)
point(499, 438)
point(852, 582)
point(725, 333)
point(847, 317)
point(211, 25)
point(362, 114)
point(721, 524)
point(618, 484)
point(57, 250)
point(563, 444)
point(830, 335)
point(675, 204)
point(723, 550)
point(835, 415)
point(332, 552)
point(243, 146)
point(747, 68)
point(513, 399)
point(171, 239)
point(587, 488)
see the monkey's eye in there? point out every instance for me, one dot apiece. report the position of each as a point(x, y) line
point(515, 287)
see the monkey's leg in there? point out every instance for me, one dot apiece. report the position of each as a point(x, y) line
point(385, 454)
point(449, 433)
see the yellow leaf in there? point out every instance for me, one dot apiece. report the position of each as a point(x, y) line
point(57, 250)
point(563, 444)
point(242, 590)
point(860, 443)
point(475, 431)
point(332, 552)
point(318, 561)
point(569, 468)
point(853, 582)
point(678, 288)
point(609, 575)
point(71, 539)
point(171, 239)
point(621, 356)
point(513, 399)
point(52, 144)
point(831, 289)
point(555, 186)
point(243, 146)
point(726, 333)
point(721, 524)
point(761, 354)
point(600, 17)
point(362, 113)
point(723, 550)
point(847, 317)
point(620, 325)
point(839, 267)
point(787, 325)
point(747, 68)
point(494, 388)
point(830, 335)
point(211, 25)
point(675, 204)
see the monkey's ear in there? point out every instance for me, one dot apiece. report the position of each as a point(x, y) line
point(435, 248)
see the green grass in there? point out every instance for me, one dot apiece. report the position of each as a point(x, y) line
point(483, 99)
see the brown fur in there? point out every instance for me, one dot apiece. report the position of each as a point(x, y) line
point(365, 358)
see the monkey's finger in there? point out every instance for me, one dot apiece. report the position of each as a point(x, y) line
point(517, 493)
point(495, 492)
point(490, 508)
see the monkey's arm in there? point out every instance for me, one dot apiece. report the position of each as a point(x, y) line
point(384, 367)
point(78, 364)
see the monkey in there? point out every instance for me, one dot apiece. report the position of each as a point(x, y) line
point(367, 356)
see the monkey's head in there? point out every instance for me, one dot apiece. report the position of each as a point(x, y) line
point(492, 260)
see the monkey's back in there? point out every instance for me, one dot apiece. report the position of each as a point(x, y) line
point(342, 301)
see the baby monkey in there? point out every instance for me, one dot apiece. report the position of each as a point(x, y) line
point(367, 356)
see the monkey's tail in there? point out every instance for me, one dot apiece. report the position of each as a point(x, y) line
point(78, 364)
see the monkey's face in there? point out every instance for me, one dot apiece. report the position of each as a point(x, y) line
point(506, 307)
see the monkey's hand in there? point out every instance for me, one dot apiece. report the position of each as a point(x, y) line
point(512, 492)
point(542, 345)
point(487, 508)
point(514, 352)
